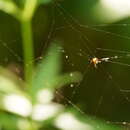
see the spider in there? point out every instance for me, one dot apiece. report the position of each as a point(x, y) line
point(95, 61)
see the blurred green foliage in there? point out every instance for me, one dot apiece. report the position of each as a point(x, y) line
point(23, 110)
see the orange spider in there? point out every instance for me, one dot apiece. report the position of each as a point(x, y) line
point(95, 61)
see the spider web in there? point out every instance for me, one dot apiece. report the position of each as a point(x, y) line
point(103, 92)
point(102, 74)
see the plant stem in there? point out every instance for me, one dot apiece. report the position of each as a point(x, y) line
point(28, 49)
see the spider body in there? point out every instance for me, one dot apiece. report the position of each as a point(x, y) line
point(95, 61)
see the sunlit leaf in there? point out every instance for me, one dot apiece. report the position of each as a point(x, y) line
point(43, 112)
point(9, 83)
point(67, 121)
point(10, 7)
point(70, 121)
point(45, 96)
point(17, 104)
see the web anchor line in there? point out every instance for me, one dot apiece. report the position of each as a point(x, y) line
point(50, 33)
point(70, 102)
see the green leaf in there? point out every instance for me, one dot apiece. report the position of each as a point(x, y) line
point(48, 70)
point(8, 121)
point(7, 86)
point(44, 1)
point(13, 122)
